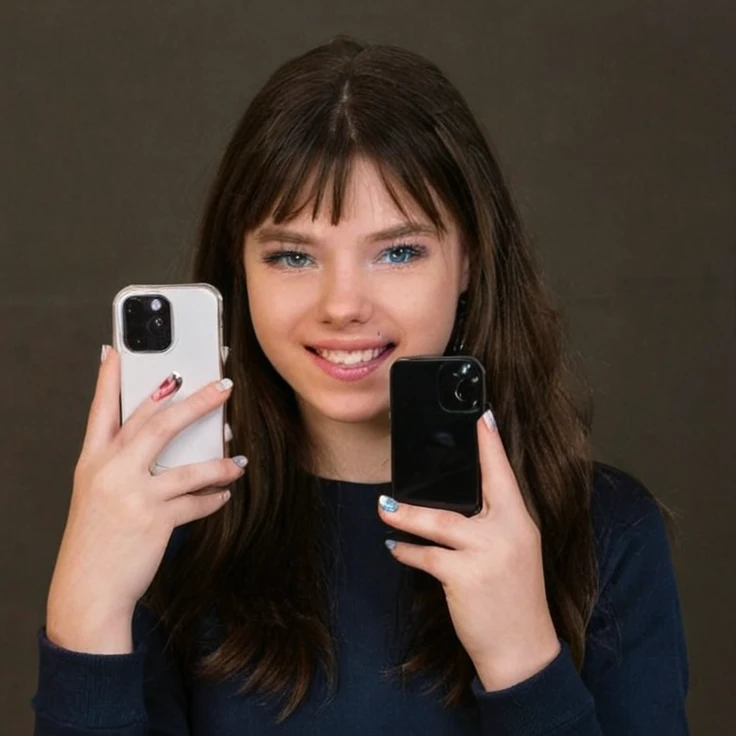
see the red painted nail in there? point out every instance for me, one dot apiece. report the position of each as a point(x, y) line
point(169, 387)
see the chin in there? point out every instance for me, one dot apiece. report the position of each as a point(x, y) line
point(349, 410)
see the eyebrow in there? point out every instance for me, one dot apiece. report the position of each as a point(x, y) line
point(273, 233)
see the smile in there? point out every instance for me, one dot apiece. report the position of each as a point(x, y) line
point(350, 365)
point(351, 357)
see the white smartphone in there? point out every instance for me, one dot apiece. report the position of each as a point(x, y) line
point(174, 328)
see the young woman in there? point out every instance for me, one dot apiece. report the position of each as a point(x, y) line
point(359, 216)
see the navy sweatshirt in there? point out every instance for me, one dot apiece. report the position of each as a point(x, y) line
point(634, 679)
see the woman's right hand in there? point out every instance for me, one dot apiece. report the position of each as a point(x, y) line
point(121, 516)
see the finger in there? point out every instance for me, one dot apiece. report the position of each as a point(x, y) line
point(152, 404)
point(499, 486)
point(193, 506)
point(103, 421)
point(435, 561)
point(160, 428)
point(447, 528)
point(188, 478)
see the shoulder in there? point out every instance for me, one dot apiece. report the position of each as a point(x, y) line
point(636, 626)
point(627, 520)
point(619, 500)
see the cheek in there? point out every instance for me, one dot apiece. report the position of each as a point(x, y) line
point(268, 320)
point(276, 308)
point(425, 314)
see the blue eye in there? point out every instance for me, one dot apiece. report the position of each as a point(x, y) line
point(401, 254)
point(288, 259)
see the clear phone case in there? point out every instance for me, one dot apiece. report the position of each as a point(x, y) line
point(196, 353)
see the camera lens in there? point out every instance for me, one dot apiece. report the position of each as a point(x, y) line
point(155, 305)
point(133, 305)
point(466, 391)
point(156, 325)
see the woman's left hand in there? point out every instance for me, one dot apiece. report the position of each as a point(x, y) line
point(490, 566)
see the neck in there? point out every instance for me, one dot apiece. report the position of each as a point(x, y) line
point(358, 452)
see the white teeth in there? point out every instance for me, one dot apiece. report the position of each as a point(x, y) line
point(349, 357)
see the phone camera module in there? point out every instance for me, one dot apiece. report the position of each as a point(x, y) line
point(143, 333)
point(460, 386)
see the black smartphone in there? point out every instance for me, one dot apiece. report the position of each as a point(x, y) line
point(435, 405)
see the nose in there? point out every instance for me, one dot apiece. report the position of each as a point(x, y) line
point(344, 296)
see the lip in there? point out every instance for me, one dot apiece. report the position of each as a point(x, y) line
point(351, 372)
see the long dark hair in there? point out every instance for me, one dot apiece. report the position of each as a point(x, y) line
point(259, 563)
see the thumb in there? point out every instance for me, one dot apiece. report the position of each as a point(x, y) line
point(103, 421)
point(500, 488)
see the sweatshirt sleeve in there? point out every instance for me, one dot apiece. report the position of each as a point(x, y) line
point(136, 694)
point(635, 676)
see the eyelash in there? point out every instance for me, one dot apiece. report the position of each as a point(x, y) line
point(279, 258)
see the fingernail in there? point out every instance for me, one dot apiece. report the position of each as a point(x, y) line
point(387, 503)
point(390, 544)
point(490, 420)
point(169, 387)
point(228, 432)
point(240, 460)
point(224, 384)
point(226, 495)
point(105, 352)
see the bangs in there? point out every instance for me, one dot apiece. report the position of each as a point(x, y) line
point(318, 173)
point(324, 182)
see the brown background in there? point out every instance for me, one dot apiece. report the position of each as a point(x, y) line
point(615, 123)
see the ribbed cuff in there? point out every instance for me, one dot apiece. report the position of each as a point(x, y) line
point(554, 696)
point(90, 690)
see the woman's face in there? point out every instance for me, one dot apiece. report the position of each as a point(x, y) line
point(334, 305)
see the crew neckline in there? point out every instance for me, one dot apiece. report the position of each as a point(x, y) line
point(383, 485)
